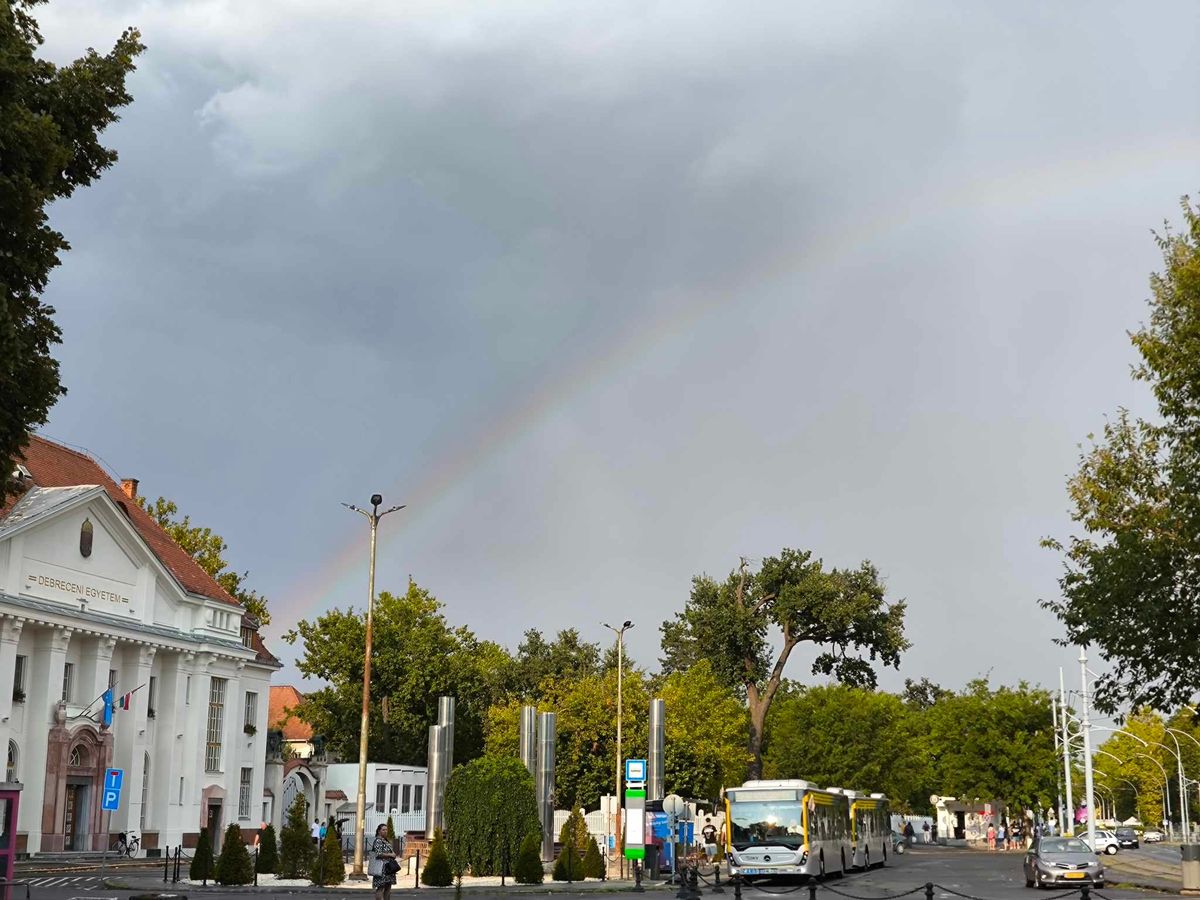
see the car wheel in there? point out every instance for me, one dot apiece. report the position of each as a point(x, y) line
point(1111, 849)
point(1100, 885)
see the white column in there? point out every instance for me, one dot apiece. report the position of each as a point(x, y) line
point(194, 719)
point(42, 699)
point(138, 745)
point(234, 743)
point(10, 635)
point(94, 664)
point(166, 755)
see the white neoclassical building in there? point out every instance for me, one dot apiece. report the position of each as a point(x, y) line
point(93, 594)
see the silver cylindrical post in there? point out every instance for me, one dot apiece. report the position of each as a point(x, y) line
point(654, 777)
point(435, 779)
point(527, 738)
point(446, 720)
point(547, 737)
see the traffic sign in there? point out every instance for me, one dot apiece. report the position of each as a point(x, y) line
point(635, 771)
point(110, 797)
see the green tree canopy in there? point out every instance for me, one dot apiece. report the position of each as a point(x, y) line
point(995, 744)
point(1137, 763)
point(207, 548)
point(51, 118)
point(840, 612)
point(417, 657)
point(539, 662)
point(1130, 585)
point(853, 738)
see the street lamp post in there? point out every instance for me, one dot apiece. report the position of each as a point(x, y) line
point(360, 818)
point(620, 633)
point(1087, 752)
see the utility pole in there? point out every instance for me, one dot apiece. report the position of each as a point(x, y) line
point(360, 818)
point(1057, 774)
point(620, 633)
point(1087, 752)
point(1068, 822)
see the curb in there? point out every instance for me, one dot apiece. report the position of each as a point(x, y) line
point(528, 889)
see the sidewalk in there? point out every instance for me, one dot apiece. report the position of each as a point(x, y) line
point(1144, 872)
point(154, 884)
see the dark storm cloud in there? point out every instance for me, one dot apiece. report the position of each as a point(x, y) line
point(849, 278)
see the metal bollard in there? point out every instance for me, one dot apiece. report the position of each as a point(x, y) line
point(167, 866)
point(683, 893)
point(256, 865)
point(812, 890)
point(1084, 892)
point(716, 888)
point(737, 887)
point(929, 890)
point(694, 881)
point(417, 871)
point(637, 876)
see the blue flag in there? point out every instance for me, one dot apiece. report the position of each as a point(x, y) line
point(108, 705)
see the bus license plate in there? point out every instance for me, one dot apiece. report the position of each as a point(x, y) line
point(751, 871)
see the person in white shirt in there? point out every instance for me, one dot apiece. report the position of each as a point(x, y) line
point(316, 832)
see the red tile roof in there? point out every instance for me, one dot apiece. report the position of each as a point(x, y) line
point(283, 698)
point(53, 465)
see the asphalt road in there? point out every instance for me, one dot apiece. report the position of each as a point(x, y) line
point(987, 876)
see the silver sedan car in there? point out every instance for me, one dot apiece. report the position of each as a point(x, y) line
point(1062, 861)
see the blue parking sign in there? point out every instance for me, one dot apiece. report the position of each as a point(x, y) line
point(110, 797)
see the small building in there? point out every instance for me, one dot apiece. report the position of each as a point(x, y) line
point(966, 821)
point(392, 790)
point(297, 734)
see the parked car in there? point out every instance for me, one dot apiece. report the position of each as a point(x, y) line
point(1106, 842)
point(1153, 836)
point(1062, 861)
point(1127, 837)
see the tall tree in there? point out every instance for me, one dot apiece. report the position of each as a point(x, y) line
point(1139, 763)
point(1131, 580)
point(729, 623)
point(538, 661)
point(50, 122)
point(417, 656)
point(207, 548)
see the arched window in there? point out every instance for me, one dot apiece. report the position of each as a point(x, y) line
point(78, 757)
point(10, 766)
point(145, 790)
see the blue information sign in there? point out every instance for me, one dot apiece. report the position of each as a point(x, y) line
point(110, 797)
point(635, 771)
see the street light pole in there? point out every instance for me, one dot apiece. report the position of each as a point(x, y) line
point(1067, 826)
point(1087, 753)
point(360, 818)
point(620, 633)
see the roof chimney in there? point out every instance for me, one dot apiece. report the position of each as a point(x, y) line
point(130, 486)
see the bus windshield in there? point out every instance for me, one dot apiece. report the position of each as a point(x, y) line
point(766, 822)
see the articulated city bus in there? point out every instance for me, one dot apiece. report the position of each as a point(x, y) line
point(870, 828)
point(787, 828)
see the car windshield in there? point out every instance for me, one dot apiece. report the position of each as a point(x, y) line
point(1063, 845)
point(766, 822)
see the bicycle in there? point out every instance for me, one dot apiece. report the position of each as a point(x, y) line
point(127, 844)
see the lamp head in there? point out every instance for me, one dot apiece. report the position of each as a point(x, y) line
point(376, 499)
point(627, 624)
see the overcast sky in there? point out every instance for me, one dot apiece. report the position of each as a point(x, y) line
point(613, 293)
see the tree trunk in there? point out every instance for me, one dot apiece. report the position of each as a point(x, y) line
point(758, 704)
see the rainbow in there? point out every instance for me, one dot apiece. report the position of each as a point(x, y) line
point(1015, 187)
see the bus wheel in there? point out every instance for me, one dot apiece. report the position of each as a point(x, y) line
point(822, 865)
point(867, 858)
point(843, 862)
point(885, 854)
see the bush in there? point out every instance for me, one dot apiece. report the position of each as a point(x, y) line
point(295, 843)
point(490, 807)
point(437, 871)
point(593, 862)
point(234, 865)
point(567, 867)
point(202, 860)
point(268, 851)
point(329, 869)
point(529, 861)
point(574, 832)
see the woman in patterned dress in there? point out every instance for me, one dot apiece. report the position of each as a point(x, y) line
point(381, 853)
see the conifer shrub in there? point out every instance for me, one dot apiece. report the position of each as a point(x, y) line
point(490, 807)
point(295, 842)
point(437, 871)
point(202, 858)
point(593, 862)
point(391, 830)
point(330, 868)
point(574, 832)
point(567, 867)
point(529, 860)
point(268, 851)
point(234, 865)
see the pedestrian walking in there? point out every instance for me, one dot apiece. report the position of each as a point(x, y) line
point(383, 866)
point(991, 836)
point(316, 832)
point(925, 833)
point(709, 834)
point(908, 832)
point(1001, 836)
